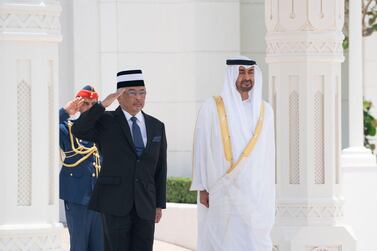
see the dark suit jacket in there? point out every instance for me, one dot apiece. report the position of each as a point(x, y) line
point(125, 179)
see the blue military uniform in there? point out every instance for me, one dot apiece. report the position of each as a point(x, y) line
point(76, 181)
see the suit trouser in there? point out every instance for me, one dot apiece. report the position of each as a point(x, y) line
point(128, 233)
point(85, 228)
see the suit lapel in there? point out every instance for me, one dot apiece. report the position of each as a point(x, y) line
point(125, 127)
point(149, 128)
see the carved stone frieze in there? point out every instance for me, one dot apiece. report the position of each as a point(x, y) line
point(309, 211)
point(42, 241)
point(304, 47)
point(30, 20)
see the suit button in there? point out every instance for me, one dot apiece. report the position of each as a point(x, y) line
point(71, 174)
point(93, 175)
point(136, 180)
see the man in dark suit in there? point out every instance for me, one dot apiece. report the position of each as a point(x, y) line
point(131, 188)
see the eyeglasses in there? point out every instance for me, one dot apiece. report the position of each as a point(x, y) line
point(134, 93)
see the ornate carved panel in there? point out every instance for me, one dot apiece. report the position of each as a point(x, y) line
point(309, 211)
point(24, 140)
point(34, 20)
point(294, 138)
point(297, 47)
point(319, 158)
point(43, 241)
point(324, 248)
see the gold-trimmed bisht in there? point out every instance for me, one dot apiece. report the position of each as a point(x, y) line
point(81, 150)
point(226, 135)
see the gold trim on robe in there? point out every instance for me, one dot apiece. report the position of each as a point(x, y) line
point(226, 135)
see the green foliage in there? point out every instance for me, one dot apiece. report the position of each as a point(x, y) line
point(178, 190)
point(346, 43)
point(369, 19)
point(370, 124)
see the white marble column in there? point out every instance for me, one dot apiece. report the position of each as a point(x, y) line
point(356, 154)
point(304, 53)
point(29, 37)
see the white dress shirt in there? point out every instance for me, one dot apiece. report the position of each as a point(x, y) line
point(140, 122)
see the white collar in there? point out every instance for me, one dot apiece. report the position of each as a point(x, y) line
point(138, 115)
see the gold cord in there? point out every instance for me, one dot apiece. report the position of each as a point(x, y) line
point(81, 150)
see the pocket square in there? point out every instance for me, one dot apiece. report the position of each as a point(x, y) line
point(156, 139)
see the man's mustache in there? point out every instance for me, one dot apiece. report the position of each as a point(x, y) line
point(247, 82)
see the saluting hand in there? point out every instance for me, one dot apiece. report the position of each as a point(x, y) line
point(73, 106)
point(112, 97)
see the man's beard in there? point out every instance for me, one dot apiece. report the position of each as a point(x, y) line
point(246, 86)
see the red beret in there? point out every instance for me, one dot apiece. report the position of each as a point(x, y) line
point(87, 92)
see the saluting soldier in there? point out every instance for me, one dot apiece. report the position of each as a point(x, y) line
point(78, 175)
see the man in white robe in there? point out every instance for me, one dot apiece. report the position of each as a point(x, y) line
point(234, 164)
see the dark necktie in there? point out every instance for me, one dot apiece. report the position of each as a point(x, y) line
point(138, 139)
